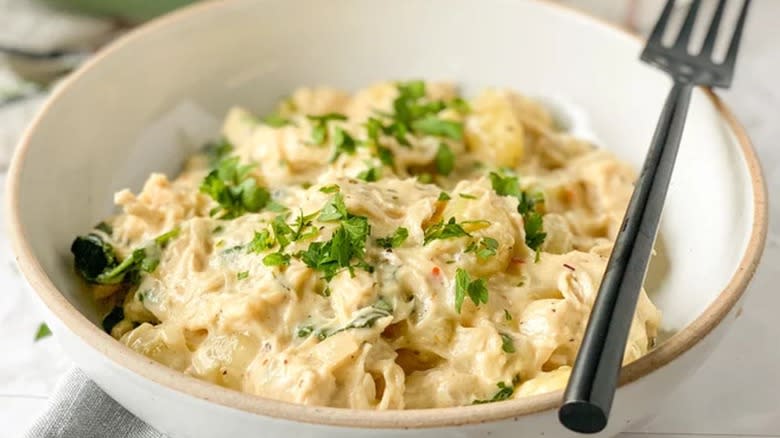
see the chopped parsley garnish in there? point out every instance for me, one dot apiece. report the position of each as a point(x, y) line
point(372, 174)
point(42, 332)
point(413, 113)
point(347, 243)
point(467, 196)
point(217, 150)
point(344, 143)
point(236, 192)
point(366, 318)
point(443, 196)
point(385, 156)
point(504, 393)
point(104, 227)
point(304, 331)
point(282, 232)
point(476, 290)
point(334, 210)
point(276, 259)
point(242, 275)
point(262, 241)
point(333, 188)
point(507, 315)
point(276, 207)
point(395, 240)
point(92, 256)
point(444, 159)
point(507, 344)
point(484, 248)
point(460, 105)
point(444, 230)
point(319, 130)
point(533, 222)
point(276, 120)
point(425, 178)
point(432, 125)
point(505, 185)
point(97, 261)
point(373, 130)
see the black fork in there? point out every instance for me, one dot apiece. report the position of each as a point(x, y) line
point(591, 388)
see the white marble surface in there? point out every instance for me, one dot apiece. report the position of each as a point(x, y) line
point(735, 394)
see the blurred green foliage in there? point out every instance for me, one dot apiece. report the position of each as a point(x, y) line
point(130, 11)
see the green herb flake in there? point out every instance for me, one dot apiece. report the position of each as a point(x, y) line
point(507, 315)
point(217, 150)
point(304, 331)
point(282, 232)
point(333, 188)
point(276, 120)
point(319, 131)
point(105, 227)
point(476, 290)
point(504, 185)
point(334, 210)
point(425, 178)
point(484, 248)
point(443, 196)
point(395, 240)
point(444, 159)
point(344, 144)
point(276, 207)
point(466, 196)
point(432, 125)
point(507, 343)
point(444, 230)
point(42, 332)
point(262, 241)
point(533, 222)
point(460, 105)
point(385, 156)
point(276, 259)
point(366, 318)
point(372, 174)
point(504, 393)
point(234, 190)
point(347, 243)
point(242, 275)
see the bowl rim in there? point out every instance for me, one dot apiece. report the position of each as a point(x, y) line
point(174, 380)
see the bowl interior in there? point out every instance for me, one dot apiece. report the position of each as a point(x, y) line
point(152, 99)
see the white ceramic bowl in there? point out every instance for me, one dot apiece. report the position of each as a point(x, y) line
point(136, 108)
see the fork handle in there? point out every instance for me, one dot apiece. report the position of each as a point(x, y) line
point(593, 381)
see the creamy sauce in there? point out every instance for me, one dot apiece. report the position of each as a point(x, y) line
point(391, 332)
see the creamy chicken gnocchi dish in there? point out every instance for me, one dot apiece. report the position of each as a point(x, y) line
point(400, 247)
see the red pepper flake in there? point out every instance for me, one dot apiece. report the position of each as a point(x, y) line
point(517, 261)
point(436, 271)
point(569, 267)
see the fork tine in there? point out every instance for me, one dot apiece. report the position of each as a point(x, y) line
point(660, 25)
point(731, 55)
point(687, 29)
point(712, 33)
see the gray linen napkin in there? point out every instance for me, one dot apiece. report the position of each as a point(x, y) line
point(79, 409)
